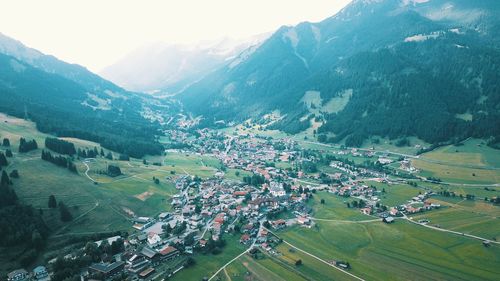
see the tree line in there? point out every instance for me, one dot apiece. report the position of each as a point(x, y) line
point(60, 161)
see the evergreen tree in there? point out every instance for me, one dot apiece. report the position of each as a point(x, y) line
point(5, 180)
point(3, 160)
point(14, 174)
point(6, 142)
point(64, 212)
point(109, 155)
point(52, 202)
point(8, 153)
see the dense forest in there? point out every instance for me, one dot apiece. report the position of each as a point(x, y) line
point(20, 225)
point(60, 146)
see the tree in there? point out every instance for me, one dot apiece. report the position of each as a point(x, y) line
point(64, 212)
point(189, 262)
point(124, 157)
point(25, 146)
point(52, 202)
point(114, 171)
point(60, 146)
point(37, 240)
point(3, 160)
point(8, 153)
point(5, 180)
point(298, 262)
point(109, 155)
point(248, 197)
point(6, 142)
point(322, 201)
point(14, 174)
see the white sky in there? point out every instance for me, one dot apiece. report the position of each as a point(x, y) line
point(96, 33)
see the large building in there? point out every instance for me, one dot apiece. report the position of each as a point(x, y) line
point(107, 270)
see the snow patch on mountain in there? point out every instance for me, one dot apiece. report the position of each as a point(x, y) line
point(423, 37)
point(317, 33)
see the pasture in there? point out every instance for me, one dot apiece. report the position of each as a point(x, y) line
point(378, 251)
point(473, 163)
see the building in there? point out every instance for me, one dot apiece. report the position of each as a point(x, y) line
point(40, 273)
point(153, 239)
point(145, 273)
point(277, 189)
point(388, 220)
point(169, 252)
point(107, 270)
point(18, 275)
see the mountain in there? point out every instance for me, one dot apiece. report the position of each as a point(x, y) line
point(395, 68)
point(68, 100)
point(167, 68)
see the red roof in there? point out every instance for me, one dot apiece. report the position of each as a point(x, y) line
point(168, 250)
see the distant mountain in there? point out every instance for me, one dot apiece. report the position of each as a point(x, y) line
point(167, 68)
point(396, 68)
point(69, 100)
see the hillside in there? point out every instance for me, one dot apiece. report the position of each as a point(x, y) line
point(68, 100)
point(427, 69)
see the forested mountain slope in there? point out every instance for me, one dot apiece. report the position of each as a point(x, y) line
point(425, 68)
point(69, 100)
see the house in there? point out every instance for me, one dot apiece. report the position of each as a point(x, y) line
point(18, 275)
point(239, 193)
point(169, 252)
point(244, 238)
point(164, 216)
point(146, 272)
point(110, 240)
point(153, 239)
point(136, 263)
point(150, 254)
point(277, 224)
point(107, 270)
point(366, 211)
point(303, 220)
point(40, 273)
point(388, 220)
point(277, 189)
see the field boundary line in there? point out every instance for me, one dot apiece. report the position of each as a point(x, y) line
point(320, 259)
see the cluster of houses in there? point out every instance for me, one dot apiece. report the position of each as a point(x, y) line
point(39, 273)
point(204, 210)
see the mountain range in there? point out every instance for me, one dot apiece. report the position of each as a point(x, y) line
point(164, 68)
point(392, 68)
point(386, 68)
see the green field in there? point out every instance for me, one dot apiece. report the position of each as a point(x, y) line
point(334, 208)
point(280, 267)
point(107, 206)
point(207, 265)
point(377, 251)
point(473, 162)
point(470, 217)
point(395, 194)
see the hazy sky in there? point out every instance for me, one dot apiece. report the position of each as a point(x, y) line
point(96, 33)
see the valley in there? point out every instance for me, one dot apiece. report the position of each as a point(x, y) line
point(104, 205)
point(363, 145)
